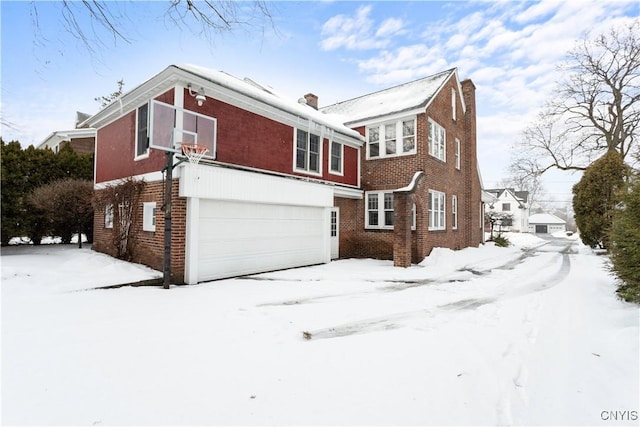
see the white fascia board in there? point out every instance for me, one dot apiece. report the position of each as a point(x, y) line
point(129, 101)
point(147, 177)
point(219, 183)
point(388, 118)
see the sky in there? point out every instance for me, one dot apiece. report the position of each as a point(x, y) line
point(335, 49)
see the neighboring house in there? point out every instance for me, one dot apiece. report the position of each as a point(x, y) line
point(389, 175)
point(81, 140)
point(546, 223)
point(516, 203)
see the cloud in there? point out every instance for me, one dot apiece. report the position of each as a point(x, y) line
point(358, 32)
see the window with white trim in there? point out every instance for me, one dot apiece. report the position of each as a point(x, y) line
point(108, 216)
point(454, 212)
point(453, 104)
point(336, 158)
point(437, 141)
point(149, 216)
point(142, 130)
point(379, 211)
point(437, 210)
point(308, 149)
point(457, 153)
point(398, 138)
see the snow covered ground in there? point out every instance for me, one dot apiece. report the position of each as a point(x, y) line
point(531, 334)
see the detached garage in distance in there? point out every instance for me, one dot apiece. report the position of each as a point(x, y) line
point(546, 223)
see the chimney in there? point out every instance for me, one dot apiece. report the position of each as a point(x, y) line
point(312, 100)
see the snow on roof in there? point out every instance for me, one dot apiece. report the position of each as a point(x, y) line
point(544, 218)
point(405, 97)
point(270, 96)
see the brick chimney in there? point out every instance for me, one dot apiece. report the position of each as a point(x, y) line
point(312, 100)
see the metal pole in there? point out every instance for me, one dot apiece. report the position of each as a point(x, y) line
point(167, 221)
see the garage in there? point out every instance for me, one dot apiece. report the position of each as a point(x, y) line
point(238, 238)
point(543, 223)
point(241, 222)
point(542, 229)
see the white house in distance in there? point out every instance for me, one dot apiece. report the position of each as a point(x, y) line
point(513, 202)
point(546, 223)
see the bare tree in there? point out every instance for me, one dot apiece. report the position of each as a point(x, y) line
point(596, 108)
point(89, 20)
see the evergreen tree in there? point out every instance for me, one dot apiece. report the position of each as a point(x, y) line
point(596, 196)
point(625, 243)
point(24, 170)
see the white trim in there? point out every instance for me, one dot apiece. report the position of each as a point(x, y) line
point(147, 177)
point(220, 183)
point(443, 204)
point(457, 153)
point(309, 132)
point(331, 171)
point(454, 212)
point(192, 240)
point(444, 142)
point(148, 216)
point(382, 147)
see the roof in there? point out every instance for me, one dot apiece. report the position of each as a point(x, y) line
point(520, 196)
point(398, 99)
point(58, 136)
point(544, 218)
point(219, 83)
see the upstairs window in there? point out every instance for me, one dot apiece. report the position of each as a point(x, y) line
point(307, 152)
point(142, 130)
point(506, 207)
point(398, 138)
point(437, 141)
point(336, 162)
point(457, 153)
point(453, 105)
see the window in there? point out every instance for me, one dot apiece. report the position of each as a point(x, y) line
point(372, 210)
point(437, 141)
point(457, 153)
point(506, 207)
point(307, 152)
point(399, 139)
point(380, 211)
point(149, 216)
point(436, 210)
point(453, 104)
point(336, 157)
point(108, 216)
point(142, 131)
point(334, 223)
point(454, 212)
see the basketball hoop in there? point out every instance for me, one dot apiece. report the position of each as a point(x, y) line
point(194, 152)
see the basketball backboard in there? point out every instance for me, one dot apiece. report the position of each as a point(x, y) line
point(172, 126)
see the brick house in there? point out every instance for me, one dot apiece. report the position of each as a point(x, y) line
point(285, 184)
point(420, 176)
point(81, 140)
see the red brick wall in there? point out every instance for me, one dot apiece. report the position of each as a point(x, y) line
point(149, 246)
point(116, 149)
point(248, 139)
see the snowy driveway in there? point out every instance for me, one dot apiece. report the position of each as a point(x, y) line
point(531, 334)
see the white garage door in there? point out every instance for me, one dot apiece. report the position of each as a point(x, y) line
point(237, 238)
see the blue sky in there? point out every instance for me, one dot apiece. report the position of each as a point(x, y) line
point(337, 50)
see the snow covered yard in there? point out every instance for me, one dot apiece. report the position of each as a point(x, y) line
point(531, 334)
